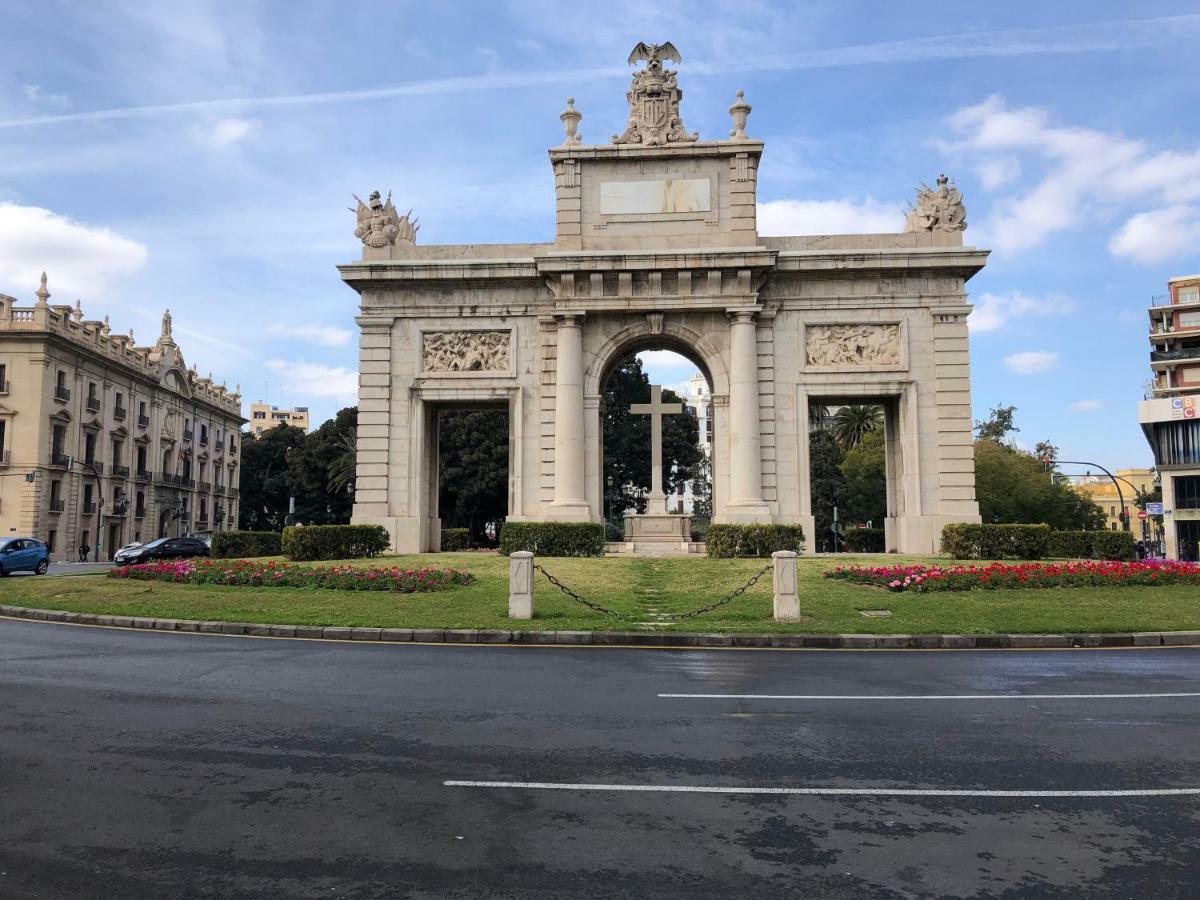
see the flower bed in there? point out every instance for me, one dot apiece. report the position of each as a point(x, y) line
point(998, 576)
point(281, 574)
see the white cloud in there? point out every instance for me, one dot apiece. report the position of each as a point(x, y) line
point(305, 379)
point(1087, 176)
point(33, 93)
point(1031, 362)
point(232, 131)
point(1086, 406)
point(1158, 235)
point(324, 335)
point(994, 311)
point(80, 260)
point(786, 217)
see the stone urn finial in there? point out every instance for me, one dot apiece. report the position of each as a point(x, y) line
point(570, 118)
point(740, 112)
point(43, 294)
point(77, 313)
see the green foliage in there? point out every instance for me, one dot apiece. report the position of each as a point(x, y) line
point(342, 469)
point(969, 541)
point(865, 471)
point(241, 544)
point(701, 478)
point(246, 573)
point(1113, 545)
point(265, 482)
point(627, 441)
point(864, 540)
point(852, 423)
point(828, 485)
point(725, 540)
point(1013, 489)
point(1071, 544)
point(998, 425)
point(456, 539)
point(473, 469)
point(310, 542)
point(553, 538)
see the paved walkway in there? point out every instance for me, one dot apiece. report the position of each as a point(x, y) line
point(147, 764)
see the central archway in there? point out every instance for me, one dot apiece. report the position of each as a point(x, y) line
point(687, 343)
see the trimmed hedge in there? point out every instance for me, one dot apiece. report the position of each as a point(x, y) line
point(308, 542)
point(963, 541)
point(242, 544)
point(456, 539)
point(725, 540)
point(553, 538)
point(864, 540)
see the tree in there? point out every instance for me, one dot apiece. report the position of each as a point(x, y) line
point(342, 470)
point(473, 469)
point(852, 422)
point(828, 486)
point(265, 485)
point(865, 471)
point(627, 441)
point(1013, 488)
point(1044, 450)
point(701, 478)
point(318, 500)
point(998, 425)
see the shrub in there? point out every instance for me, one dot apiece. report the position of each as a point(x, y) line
point(553, 538)
point(243, 573)
point(966, 541)
point(1113, 545)
point(726, 540)
point(864, 540)
point(310, 542)
point(240, 544)
point(456, 539)
point(1070, 544)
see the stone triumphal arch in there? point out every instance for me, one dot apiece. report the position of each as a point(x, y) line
point(656, 246)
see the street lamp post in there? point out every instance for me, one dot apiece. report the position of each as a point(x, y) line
point(1050, 463)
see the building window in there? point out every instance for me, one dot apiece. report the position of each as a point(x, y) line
point(1177, 443)
point(1189, 294)
point(141, 459)
point(1187, 492)
point(204, 435)
point(60, 386)
point(139, 508)
point(88, 506)
point(89, 448)
point(51, 540)
point(2, 436)
point(259, 414)
point(3, 378)
point(58, 445)
point(56, 501)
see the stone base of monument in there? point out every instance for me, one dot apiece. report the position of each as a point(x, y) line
point(656, 534)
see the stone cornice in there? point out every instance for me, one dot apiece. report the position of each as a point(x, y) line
point(702, 149)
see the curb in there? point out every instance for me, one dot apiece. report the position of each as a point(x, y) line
point(627, 638)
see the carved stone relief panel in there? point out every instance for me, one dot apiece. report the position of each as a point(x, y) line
point(852, 345)
point(465, 351)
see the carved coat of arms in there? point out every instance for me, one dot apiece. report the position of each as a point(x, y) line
point(379, 225)
point(937, 209)
point(654, 99)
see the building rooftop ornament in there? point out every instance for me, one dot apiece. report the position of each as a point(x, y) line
point(165, 339)
point(77, 314)
point(570, 118)
point(379, 225)
point(937, 209)
point(740, 111)
point(42, 293)
point(654, 99)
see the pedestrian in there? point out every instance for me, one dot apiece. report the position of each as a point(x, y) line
point(83, 552)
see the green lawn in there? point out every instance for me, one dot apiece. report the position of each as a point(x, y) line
point(633, 587)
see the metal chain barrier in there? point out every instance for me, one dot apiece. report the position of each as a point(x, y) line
point(677, 617)
point(728, 598)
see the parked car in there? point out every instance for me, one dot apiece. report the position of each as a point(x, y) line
point(163, 548)
point(23, 555)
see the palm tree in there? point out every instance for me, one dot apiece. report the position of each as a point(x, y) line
point(817, 414)
point(341, 470)
point(852, 422)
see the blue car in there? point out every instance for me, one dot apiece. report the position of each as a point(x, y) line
point(23, 555)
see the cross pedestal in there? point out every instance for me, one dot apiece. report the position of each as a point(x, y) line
point(656, 524)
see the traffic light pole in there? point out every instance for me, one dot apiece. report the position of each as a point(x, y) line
point(1050, 463)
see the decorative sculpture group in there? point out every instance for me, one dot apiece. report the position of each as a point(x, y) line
point(937, 209)
point(654, 99)
point(465, 351)
point(852, 345)
point(379, 225)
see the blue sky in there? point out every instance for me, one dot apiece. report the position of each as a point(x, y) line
point(201, 156)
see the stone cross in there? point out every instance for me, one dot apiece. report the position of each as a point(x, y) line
point(656, 505)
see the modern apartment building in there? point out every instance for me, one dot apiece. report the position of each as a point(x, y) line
point(264, 416)
point(104, 442)
point(1170, 414)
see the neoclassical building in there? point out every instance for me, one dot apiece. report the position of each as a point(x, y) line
point(104, 442)
point(656, 246)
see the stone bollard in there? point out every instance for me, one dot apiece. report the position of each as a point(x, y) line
point(520, 585)
point(787, 600)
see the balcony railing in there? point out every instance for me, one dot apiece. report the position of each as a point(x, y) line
point(119, 413)
point(143, 475)
point(234, 492)
point(120, 471)
point(187, 434)
point(218, 489)
point(93, 465)
point(143, 421)
point(203, 439)
point(5, 457)
point(202, 524)
point(62, 393)
point(1175, 355)
point(3, 386)
point(93, 404)
point(140, 512)
point(61, 460)
point(57, 506)
point(203, 486)
point(176, 481)
point(89, 509)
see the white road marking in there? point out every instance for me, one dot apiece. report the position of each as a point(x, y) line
point(927, 696)
point(816, 791)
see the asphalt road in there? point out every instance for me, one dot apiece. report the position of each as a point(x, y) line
point(142, 764)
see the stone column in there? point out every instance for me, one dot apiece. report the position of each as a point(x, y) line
point(520, 585)
point(569, 495)
point(745, 443)
point(786, 590)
